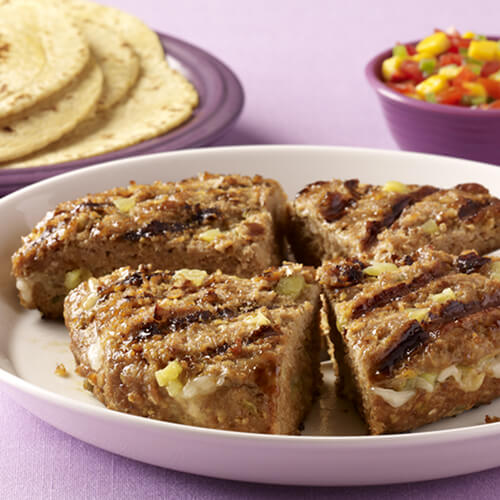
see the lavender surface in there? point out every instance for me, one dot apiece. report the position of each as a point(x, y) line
point(301, 65)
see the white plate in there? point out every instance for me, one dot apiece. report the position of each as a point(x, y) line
point(332, 449)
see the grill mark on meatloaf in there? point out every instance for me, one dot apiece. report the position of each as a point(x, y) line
point(418, 334)
point(400, 290)
point(470, 208)
point(195, 216)
point(374, 227)
point(345, 274)
point(269, 333)
point(334, 204)
point(167, 322)
point(470, 262)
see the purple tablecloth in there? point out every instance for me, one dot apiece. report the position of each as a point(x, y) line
point(301, 65)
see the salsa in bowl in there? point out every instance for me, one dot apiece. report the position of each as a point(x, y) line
point(447, 68)
point(434, 120)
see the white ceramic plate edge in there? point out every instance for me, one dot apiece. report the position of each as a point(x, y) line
point(273, 459)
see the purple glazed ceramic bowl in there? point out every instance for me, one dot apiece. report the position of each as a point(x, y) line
point(436, 128)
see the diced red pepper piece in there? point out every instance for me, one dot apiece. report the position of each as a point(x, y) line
point(489, 68)
point(403, 87)
point(494, 104)
point(448, 58)
point(466, 75)
point(451, 95)
point(492, 87)
point(457, 42)
point(411, 49)
point(411, 71)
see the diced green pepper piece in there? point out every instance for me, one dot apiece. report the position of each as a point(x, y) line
point(430, 97)
point(480, 37)
point(427, 66)
point(463, 51)
point(476, 69)
point(291, 286)
point(400, 51)
point(477, 100)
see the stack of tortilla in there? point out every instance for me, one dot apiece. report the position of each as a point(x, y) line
point(79, 79)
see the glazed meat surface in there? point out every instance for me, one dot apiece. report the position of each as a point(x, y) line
point(419, 341)
point(381, 223)
point(202, 349)
point(233, 223)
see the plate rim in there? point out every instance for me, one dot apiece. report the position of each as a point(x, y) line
point(396, 442)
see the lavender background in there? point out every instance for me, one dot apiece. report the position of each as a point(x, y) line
point(301, 65)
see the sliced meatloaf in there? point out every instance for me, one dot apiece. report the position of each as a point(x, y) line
point(211, 222)
point(348, 219)
point(417, 342)
point(202, 349)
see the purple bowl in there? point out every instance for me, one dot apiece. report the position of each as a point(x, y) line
point(436, 128)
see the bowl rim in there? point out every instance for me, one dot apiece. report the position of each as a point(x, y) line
point(372, 73)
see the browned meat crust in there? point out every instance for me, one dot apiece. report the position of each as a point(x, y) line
point(232, 223)
point(350, 219)
point(421, 341)
point(209, 350)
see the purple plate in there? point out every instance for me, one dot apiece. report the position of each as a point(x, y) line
point(221, 101)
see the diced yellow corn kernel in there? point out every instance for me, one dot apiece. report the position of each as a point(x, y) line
point(421, 55)
point(432, 85)
point(450, 71)
point(469, 35)
point(446, 295)
point(73, 278)
point(495, 76)
point(430, 227)
point(380, 268)
point(484, 50)
point(474, 89)
point(124, 204)
point(291, 286)
point(169, 373)
point(418, 313)
point(196, 276)
point(390, 66)
point(396, 187)
point(434, 44)
point(210, 235)
point(257, 320)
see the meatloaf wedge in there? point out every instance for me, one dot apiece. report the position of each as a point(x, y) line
point(207, 350)
point(211, 222)
point(349, 219)
point(417, 342)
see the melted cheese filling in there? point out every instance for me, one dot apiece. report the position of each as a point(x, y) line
point(469, 379)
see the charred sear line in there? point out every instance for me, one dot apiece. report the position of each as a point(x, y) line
point(417, 334)
point(334, 204)
point(374, 227)
point(194, 217)
point(352, 186)
point(263, 332)
point(171, 321)
point(471, 262)
point(471, 208)
point(346, 274)
point(396, 292)
point(472, 187)
point(411, 338)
